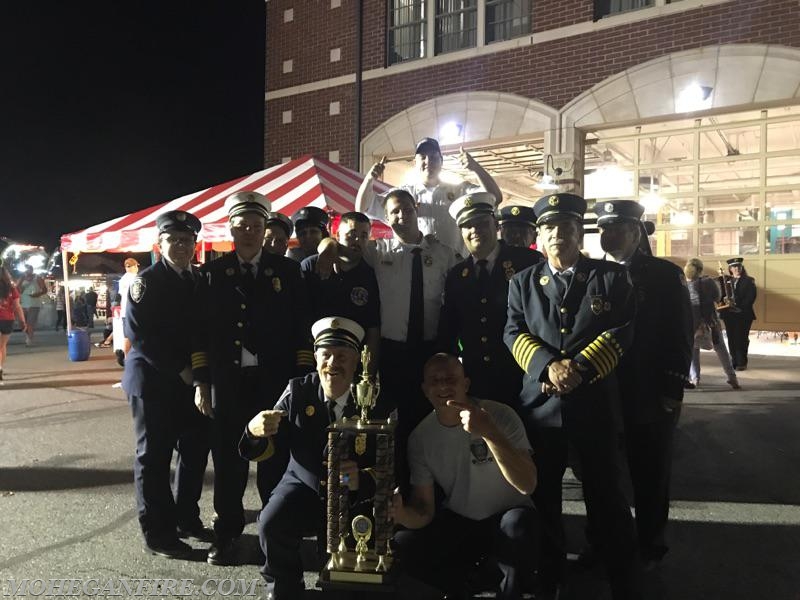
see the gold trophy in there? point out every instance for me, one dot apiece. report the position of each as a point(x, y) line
point(359, 543)
point(727, 301)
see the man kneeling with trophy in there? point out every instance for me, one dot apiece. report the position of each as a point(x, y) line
point(300, 423)
point(478, 452)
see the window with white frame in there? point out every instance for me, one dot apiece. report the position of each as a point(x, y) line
point(420, 28)
point(507, 19)
point(406, 30)
point(456, 25)
point(604, 8)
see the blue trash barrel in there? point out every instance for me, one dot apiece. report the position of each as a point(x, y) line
point(78, 345)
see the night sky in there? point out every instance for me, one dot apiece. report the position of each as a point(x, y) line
point(107, 107)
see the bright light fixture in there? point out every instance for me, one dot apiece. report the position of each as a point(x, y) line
point(652, 202)
point(694, 97)
point(546, 184)
point(450, 133)
point(683, 218)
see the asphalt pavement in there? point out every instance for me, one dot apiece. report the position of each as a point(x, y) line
point(67, 509)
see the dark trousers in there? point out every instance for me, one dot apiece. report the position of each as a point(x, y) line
point(162, 423)
point(608, 515)
point(738, 328)
point(231, 471)
point(401, 380)
point(649, 452)
point(294, 510)
point(444, 553)
point(61, 319)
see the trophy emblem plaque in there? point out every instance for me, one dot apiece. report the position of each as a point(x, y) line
point(358, 533)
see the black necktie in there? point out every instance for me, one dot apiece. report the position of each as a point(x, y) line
point(483, 276)
point(248, 278)
point(563, 280)
point(416, 307)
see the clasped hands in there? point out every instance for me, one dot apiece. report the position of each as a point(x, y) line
point(563, 377)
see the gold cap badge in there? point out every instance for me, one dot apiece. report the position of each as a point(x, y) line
point(553, 200)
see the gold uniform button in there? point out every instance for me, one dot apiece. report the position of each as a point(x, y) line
point(243, 306)
point(236, 362)
point(564, 330)
point(484, 300)
point(563, 353)
point(564, 310)
point(483, 319)
point(484, 339)
point(486, 359)
point(237, 343)
point(240, 324)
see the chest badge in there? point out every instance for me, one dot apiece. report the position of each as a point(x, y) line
point(137, 289)
point(359, 296)
point(580, 277)
point(268, 272)
point(544, 280)
point(428, 260)
point(597, 304)
point(310, 410)
point(508, 269)
point(465, 272)
point(276, 284)
point(229, 271)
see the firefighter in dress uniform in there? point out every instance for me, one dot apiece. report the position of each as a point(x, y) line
point(569, 322)
point(161, 371)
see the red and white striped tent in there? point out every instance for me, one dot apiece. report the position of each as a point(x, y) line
point(305, 181)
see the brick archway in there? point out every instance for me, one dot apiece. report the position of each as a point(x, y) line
point(483, 116)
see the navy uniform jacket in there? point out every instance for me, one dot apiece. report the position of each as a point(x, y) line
point(478, 323)
point(353, 294)
point(304, 432)
point(744, 292)
point(591, 325)
point(280, 325)
point(160, 323)
point(657, 363)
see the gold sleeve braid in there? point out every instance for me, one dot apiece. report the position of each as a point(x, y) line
point(305, 358)
point(524, 347)
point(199, 360)
point(603, 354)
point(268, 452)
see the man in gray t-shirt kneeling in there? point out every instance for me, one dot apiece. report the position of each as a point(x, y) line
point(477, 451)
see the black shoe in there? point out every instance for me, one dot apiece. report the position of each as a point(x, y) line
point(741, 368)
point(120, 357)
point(222, 552)
point(688, 385)
point(196, 532)
point(169, 548)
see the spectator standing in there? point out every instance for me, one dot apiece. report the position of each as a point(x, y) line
point(10, 309)
point(738, 320)
point(31, 289)
point(279, 230)
point(311, 227)
point(91, 304)
point(704, 293)
point(61, 308)
point(131, 270)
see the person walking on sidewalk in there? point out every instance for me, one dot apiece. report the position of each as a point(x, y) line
point(703, 293)
point(31, 289)
point(9, 310)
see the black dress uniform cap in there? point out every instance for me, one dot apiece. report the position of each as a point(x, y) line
point(337, 331)
point(472, 205)
point(558, 206)
point(276, 218)
point(313, 215)
point(178, 220)
point(516, 214)
point(735, 261)
point(247, 202)
point(618, 211)
point(428, 145)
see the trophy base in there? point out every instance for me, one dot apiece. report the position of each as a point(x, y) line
point(347, 570)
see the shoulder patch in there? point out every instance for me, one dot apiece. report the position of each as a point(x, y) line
point(137, 289)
